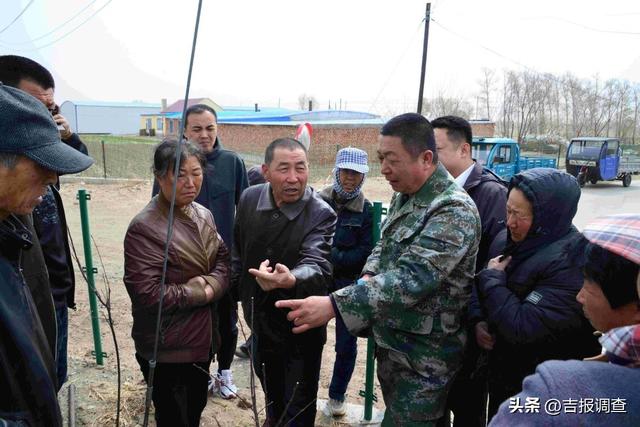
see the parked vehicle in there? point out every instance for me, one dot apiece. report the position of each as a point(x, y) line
point(502, 157)
point(596, 159)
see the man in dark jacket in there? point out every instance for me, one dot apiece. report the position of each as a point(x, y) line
point(467, 398)
point(225, 178)
point(282, 244)
point(49, 220)
point(31, 156)
point(527, 295)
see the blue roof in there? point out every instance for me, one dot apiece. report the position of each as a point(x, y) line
point(283, 116)
point(115, 104)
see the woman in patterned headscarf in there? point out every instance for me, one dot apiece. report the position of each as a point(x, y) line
point(352, 244)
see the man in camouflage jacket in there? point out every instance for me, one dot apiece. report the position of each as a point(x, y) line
point(417, 282)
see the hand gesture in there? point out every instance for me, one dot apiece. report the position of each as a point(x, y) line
point(269, 279)
point(308, 313)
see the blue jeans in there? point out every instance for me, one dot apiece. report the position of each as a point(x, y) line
point(346, 352)
point(62, 321)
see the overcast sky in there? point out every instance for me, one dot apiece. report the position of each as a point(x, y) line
point(366, 52)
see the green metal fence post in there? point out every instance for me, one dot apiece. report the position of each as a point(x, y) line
point(369, 396)
point(83, 196)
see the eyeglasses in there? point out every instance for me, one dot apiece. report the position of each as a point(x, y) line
point(518, 216)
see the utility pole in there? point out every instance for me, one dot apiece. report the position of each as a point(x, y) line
point(427, 18)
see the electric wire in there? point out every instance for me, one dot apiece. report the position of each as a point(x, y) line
point(172, 203)
point(58, 27)
point(17, 17)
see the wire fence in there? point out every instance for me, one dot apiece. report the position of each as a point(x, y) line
point(131, 157)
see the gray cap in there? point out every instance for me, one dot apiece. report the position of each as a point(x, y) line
point(27, 128)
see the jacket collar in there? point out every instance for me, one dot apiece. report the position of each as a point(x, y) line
point(217, 147)
point(290, 210)
point(14, 236)
point(354, 205)
point(437, 183)
point(164, 206)
point(475, 177)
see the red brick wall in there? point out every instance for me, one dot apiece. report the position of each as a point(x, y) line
point(324, 140)
point(486, 130)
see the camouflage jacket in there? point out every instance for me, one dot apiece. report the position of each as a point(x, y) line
point(423, 269)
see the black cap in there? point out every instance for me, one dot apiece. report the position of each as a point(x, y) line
point(27, 128)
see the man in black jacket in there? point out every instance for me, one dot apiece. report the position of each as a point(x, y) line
point(49, 219)
point(468, 397)
point(31, 156)
point(281, 250)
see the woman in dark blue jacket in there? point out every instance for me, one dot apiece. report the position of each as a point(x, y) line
point(527, 296)
point(352, 244)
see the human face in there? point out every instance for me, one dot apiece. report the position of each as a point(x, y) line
point(350, 179)
point(454, 157)
point(189, 182)
point(597, 309)
point(34, 89)
point(519, 215)
point(405, 173)
point(23, 186)
point(202, 128)
point(287, 173)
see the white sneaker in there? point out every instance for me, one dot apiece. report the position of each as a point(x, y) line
point(227, 389)
point(337, 408)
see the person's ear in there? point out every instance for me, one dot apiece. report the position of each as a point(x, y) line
point(465, 150)
point(427, 157)
point(265, 172)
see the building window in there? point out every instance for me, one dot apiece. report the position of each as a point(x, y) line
point(170, 126)
point(159, 123)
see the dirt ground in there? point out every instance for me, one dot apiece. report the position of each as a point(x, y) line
point(111, 208)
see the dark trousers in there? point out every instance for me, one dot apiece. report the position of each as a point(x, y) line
point(467, 398)
point(346, 352)
point(228, 328)
point(289, 374)
point(179, 392)
point(62, 323)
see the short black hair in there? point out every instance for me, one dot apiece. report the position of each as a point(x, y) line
point(458, 129)
point(615, 274)
point(164, 155)
point(288, 143)
point(15, 68)
point(199, 109)
point(415, 132)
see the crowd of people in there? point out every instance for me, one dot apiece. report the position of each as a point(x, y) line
point(485, 303)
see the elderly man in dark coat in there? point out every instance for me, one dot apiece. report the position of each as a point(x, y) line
point(281, 250)
point(31, 157)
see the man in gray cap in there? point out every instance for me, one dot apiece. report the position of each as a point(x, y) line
point(31, 157)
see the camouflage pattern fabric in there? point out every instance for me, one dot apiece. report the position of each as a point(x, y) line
point(413, 307)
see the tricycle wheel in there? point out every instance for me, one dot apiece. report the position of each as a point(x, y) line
point(626, 180)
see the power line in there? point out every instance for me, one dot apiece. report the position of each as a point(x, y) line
point(16, 18)
point(70, 31)
point(375, 100)
point(482, 46)
point(59, 26)
point(587, 27)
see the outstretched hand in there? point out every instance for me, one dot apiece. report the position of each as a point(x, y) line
point(268, 279)
point(308, 313)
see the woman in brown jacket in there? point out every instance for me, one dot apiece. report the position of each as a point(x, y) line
point(197, 275)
